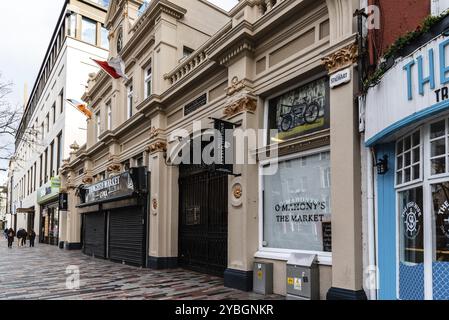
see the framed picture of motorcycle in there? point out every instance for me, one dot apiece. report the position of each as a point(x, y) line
point(300, 111)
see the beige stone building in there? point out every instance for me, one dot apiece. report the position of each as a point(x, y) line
point(264, 65)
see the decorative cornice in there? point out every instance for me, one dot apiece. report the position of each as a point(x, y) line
point(246, 104)
point(342, 58)
point(157, 147)
point(243, 47)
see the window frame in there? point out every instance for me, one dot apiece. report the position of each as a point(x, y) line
point(324, 258)
point(89, 20)
point(129, 100)
point(148, 79)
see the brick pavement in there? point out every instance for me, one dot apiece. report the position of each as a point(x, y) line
point(40, 274)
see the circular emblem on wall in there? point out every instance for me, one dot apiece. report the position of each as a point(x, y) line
point(238, 191)
point(412, 219)
point(443, 221)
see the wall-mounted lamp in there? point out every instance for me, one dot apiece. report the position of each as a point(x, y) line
point(382, 165)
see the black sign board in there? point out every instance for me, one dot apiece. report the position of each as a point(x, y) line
point(110, 189)
point(327, 237)
point(225, 146)
point(63, 201)
point(195, 104)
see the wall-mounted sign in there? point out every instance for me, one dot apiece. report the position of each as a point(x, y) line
point(195, 104)
point(225, 146)
point(340, 78)
point(49, 191)
point(408, 90)
point(112, 188)
point(300, 111)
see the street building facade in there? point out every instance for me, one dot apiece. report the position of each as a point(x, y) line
point(49, 124)
point(284, 68)
point(406, 140)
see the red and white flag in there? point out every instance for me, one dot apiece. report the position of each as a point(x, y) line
point(115, 67)
point(81, 107)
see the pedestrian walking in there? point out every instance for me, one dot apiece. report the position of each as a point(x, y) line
point(19, 237)
point(32, 236)
point(24, 238)
point(11, 235)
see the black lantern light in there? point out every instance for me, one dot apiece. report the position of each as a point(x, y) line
point(382, 165)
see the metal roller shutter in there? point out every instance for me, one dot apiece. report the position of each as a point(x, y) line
point(127, 236)
point(95, 235)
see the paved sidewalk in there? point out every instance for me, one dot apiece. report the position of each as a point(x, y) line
point(40, 274)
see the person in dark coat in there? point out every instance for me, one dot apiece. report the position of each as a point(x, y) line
point(24, 238)
point(19, 237)
point(11, 235)
point(32, 236)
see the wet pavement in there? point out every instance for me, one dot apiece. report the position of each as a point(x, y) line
point(48, 273)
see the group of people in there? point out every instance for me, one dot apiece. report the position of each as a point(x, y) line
point(21, 235)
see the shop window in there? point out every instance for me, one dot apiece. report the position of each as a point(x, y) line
point(439, 148)
point(296, 210)
point(408, 159)
point(299, 111)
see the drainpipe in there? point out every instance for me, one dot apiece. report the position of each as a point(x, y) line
point(371, 220)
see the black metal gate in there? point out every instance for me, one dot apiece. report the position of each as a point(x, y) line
point(94, 235)
point(127, 240)
point(203, 232)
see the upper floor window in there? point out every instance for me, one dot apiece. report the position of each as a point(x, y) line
point(109, 113)
point(89, 31)
point(47, 122)
point(186, 52)
point(148, 78)
point(129, 111)
point(98, 124)
point(61, 100)
point(71, 31)
point(53, 111)
point(104, 38)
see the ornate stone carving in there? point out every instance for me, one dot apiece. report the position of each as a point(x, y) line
point(236, 86)
point(154, 132)
point(74, 147)
point(342, 58)
point(115, 167)
point(88, 180)
point(238, 192)
point(241, 105)
point(157, 147)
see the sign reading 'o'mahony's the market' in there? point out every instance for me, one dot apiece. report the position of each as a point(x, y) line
point(418, 85)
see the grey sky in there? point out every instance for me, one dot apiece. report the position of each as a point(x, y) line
point(25, 32)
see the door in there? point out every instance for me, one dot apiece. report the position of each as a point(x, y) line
point(203, 232)
point(127, 239)
point(94, 225)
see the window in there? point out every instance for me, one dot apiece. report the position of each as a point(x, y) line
point(71, 23)
point(89, 31)
point(52, 153)
point(98, 125)
point(129, 111)
point(296, 206)
point(53, 111)
point(104, 38)
point(109, 114)
point(40, 170)
point(148, 78)
point(46, 166)
point(186, 52)
point(438, 147)
point(61, 101)
point(126, 166)
point(408, 159)
point(47, 122)
point(42, 131)
point(59, 152)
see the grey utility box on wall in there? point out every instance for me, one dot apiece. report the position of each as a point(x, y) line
point(263, 278)
point(303, 278)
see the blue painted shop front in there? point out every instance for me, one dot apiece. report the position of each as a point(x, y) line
point(407, 123)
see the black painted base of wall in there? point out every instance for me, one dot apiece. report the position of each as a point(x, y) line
point(345, 294)
point(237, 279)
point(158, 263)
point(61, 244)
point(73, 246)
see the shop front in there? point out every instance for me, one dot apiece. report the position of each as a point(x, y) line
point(407, 128)
point(50, 215)
point(114, 218)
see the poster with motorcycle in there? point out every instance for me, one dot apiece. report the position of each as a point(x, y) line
point(300, 111)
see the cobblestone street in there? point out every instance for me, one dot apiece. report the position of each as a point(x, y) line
point(40, 274)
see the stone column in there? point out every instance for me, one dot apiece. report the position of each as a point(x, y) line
point(347, 264)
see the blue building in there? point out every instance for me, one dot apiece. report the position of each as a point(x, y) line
point(407, 132)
